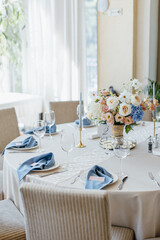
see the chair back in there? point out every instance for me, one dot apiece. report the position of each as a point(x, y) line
point(147, 116)
point(60, 214)
point(65, 111)
point(8, 127)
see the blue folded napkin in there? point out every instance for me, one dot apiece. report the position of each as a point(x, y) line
point(97, 178)
point(40, 162)
point(85, 121)
point(53, 130)
point(29, 142)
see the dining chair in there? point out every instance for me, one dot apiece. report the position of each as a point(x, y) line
point(11, 222)
point(61, 214)
point(8, 127)
point(1, 185)
point(147, 116)
point(65, 111)
point(158, 238)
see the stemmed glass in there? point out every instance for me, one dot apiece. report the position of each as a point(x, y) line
point(121, 150)
point(39, 131)
point(67, 142)
point(49, 118)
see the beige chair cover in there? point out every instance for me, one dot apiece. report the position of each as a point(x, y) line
point(1, 185)
point(62, 214)
point(65, 111)
point(8, 127)
point(11, 222)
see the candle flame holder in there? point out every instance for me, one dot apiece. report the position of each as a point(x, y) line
point(80, 145)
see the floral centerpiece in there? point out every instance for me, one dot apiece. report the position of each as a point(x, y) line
point(124, 110)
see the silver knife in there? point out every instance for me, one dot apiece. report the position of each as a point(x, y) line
point(122, 182)
point(153, 178)
point(47, 174)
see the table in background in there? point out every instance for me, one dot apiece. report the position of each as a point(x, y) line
point(27, 106)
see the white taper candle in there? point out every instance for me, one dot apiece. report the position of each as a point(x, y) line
point(80, 111)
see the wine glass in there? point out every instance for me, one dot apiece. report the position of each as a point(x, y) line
point(67, 142)
point(49, 118)
point(121, 150)
point(39, 131)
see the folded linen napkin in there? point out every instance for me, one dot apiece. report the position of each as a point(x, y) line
point(53, 130)
point(85, 121)
point(97, 178)
point(29, 142)
point(40, 162)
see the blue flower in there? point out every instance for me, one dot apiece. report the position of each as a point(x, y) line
point(136, 113)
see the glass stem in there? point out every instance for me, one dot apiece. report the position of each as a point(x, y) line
point(67, 164)
point(121, 166)
point(40, 144)
point(50, 132)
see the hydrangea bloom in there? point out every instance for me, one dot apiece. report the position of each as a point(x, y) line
point(136, 113)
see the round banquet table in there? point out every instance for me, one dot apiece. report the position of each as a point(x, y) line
point(136, 206)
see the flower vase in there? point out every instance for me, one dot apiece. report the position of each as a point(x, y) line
point(117, 131)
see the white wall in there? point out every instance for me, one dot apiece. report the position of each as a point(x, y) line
point(115, 45)
point(127, 44)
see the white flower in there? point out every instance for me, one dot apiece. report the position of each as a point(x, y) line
point(95, 110)
point(135, 100)
point(136, 83)
point(112, 102)
point(125, 96)
point(93, 95)
point(125, 109)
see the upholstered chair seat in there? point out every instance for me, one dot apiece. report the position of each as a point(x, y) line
point(62, 214)
point(11, 222)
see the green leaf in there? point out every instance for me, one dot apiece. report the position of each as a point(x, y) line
point(128, 128)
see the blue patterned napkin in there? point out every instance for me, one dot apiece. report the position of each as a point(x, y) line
point(97, 178)
point(53, 130)
point(27, 143)
point(40, 162)
point(85, 121)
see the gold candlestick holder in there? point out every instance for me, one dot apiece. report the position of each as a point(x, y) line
point(80, 145)
point(154, 122)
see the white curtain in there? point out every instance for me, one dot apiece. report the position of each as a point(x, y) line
point(54, 49)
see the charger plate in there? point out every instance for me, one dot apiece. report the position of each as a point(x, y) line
point(109, 143)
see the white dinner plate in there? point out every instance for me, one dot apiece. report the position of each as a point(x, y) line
point(55, 133)
point(25, 148)
point(84, 175)
point(56, 165)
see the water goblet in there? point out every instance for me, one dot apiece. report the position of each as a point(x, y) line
point(39, 131)
point(49, 118)
point(121, 150)
point(67, 142)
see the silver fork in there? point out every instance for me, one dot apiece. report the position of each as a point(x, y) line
point(153, 178)
point(76, 178)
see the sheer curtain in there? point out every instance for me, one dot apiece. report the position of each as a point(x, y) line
point(54, 49)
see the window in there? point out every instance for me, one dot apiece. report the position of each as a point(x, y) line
point(91, 43)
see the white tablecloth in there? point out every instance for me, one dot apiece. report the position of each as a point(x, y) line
point(27, 106)
point(137, 206)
